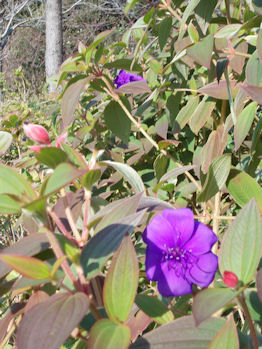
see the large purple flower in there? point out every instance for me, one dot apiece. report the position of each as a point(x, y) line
point(124, 78)
point(178, 252)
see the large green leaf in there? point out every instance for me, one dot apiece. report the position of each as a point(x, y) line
point(121, 282)
point(105, 334)
point(254, 70)
point(201, 114)
point(105, 242)
point(13, 183)
point(187, 13)
point(131, 175)
point(164, 31)
point(28, 246)
point(204, 12)
point(125, 64)
point(216, 177)
point(180, 334)
point(5, 141)
point(154, 308)
point(70, 100)
point(243, 188)
point(209, 301)
point(8, 205)
point(202, 51)
point(241, 246)
point(51, 156)
point(125, 208)
point(28, 266)
point(49, 323)
point(63, 175)
point(185, 114)
point(227, 337)
point(117, 121)
point(254, 304)
point(244, 122)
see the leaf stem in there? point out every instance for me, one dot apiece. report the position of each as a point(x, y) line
point(227, 3)
point(241, 299)
point(216, 219)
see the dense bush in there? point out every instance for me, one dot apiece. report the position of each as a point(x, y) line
point(153, 159)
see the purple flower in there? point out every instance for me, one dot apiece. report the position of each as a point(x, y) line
point(124, 78)
point(178, 252)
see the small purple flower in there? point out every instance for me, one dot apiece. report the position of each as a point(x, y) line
point(178, 252)
point(124, 78)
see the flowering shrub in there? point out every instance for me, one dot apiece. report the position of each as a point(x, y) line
point(143, 229)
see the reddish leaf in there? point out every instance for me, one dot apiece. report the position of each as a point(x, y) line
point(254, 92)
point(35, 299)
point(138, 323)
point(50, 322)
point(219, 91)
point(13, 311)
point(259, 284)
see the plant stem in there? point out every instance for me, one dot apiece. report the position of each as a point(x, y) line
point(227, 3)
point(85, 230)
point(216, 219)
point(241, 299)
point(94, 311)
point(70, 217)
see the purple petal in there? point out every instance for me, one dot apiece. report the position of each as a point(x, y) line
point(202, 240)
point(182, 221)
point(200, 277)
point(169, 284)
point(208, 262)
point(134, 77)
point(160, 233)
point(122, 78)
point(153, 261)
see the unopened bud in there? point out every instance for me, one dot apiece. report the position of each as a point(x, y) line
point(61, 139)
point(230, 279)
point(37, 133)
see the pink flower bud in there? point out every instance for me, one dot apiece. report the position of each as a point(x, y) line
point(37, 133)
point(36, 148)
point(230, 279)
point(61, 139)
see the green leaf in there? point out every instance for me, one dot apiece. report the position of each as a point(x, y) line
point(99, 38)
point(154, 308)
point(254, 70)
point(51, 156)
point(71, 250)
point(240, 251)
point(243, 124)
point(70, 100)
point(129, 5)
point(160, 165)
point(105, 334)
point(131, 175)
point(201, 114)
point(254, 304)
point(164, 31)
point(192, 32)
point(100, 247)
point(226, 338)
point(90, 178)
point(257, 6)
point(209, 301)
point(185, 114)
point(216, 177)
point(125, 64)
point(172, 174)
point(204, 12)
point(13, 183)
point(117, 121)
point(243, 188)
point(50, 322)
point(121, 282)
point(5, 141)
point(228, 31)
point(75, 157)
point(259, 45)
point(188, 12)
point(180, 334)
point(63, 175)
point(28, 246)
point(125, 208)
point(28, 266)
point(202, 51)
point(8, 205)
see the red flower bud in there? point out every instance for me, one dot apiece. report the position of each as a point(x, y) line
point(37, 133)
point(230, 279)
point(61, 139)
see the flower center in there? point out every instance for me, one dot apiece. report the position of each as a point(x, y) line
point(178, 259)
